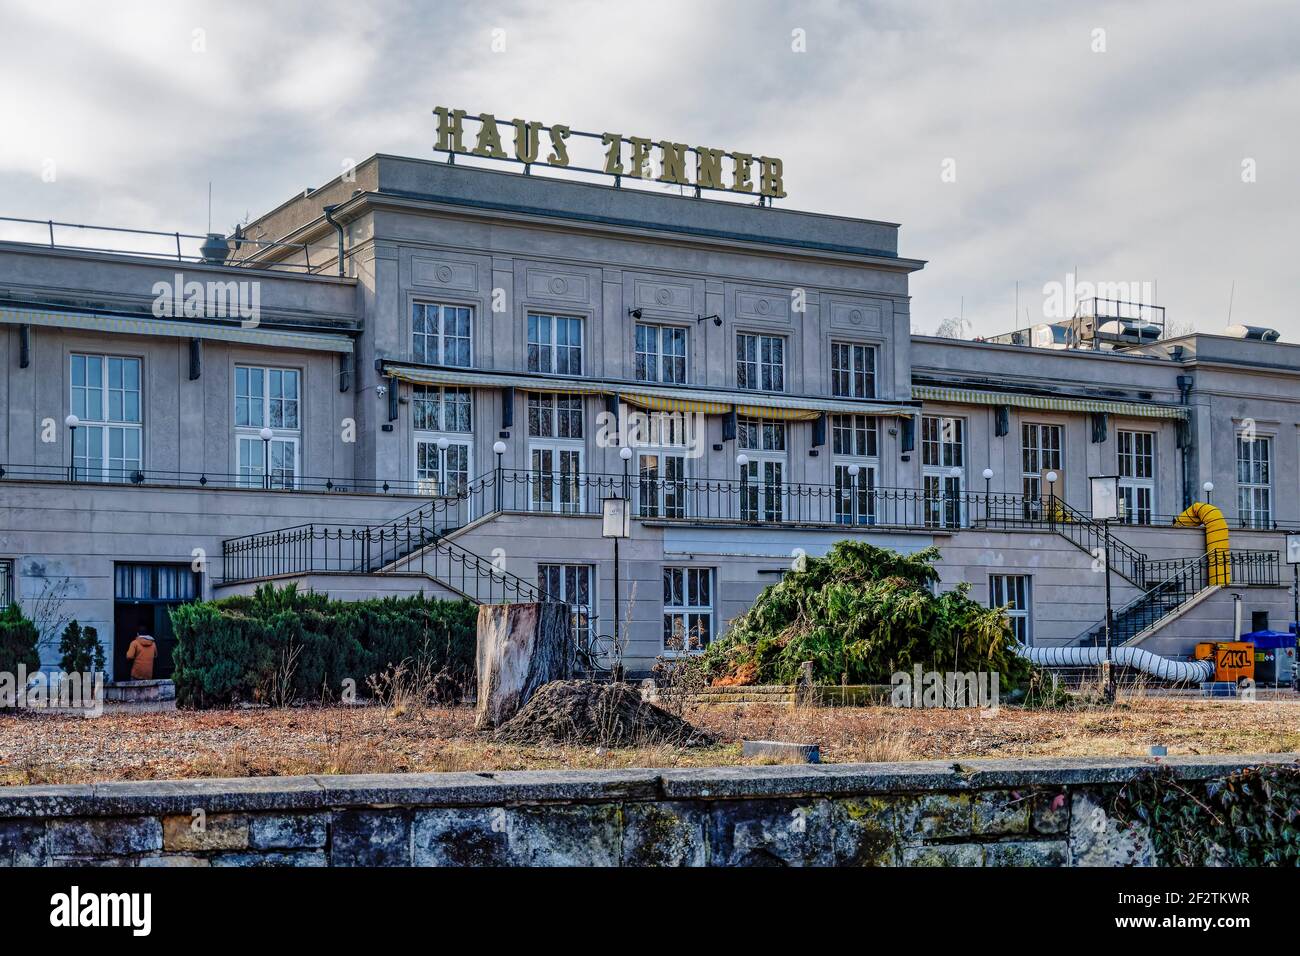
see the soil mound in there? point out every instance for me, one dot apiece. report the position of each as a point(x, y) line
point(598, 715)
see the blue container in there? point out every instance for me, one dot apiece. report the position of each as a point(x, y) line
point(1270, 640)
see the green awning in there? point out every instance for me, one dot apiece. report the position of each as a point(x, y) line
point(176, 328)
point(1059, 403)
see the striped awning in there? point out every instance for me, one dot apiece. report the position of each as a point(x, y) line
point(965, 396)
point(188, 329)
point(651, 397)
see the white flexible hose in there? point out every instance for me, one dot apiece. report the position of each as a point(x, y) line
point(1160, 667)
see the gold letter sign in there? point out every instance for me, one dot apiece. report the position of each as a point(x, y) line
point(662, 160)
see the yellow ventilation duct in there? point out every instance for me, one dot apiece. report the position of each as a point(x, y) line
point(1210, 518)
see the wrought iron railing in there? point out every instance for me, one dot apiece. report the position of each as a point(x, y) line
point(1091, 536)
point(245, 481)
point(1179, 580)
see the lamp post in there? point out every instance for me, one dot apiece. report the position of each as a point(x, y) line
point(1105, 505)
point(954, 473)
point(265, 434)
point(72, 421)
point(1208, 488)
point(1051, 477)
point(988, 494)
point(443, 445)
point(626, 454)
point(500, 449)
point(616, 523)
point(854, 471)
point(742, 462)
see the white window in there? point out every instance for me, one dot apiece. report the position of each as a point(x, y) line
point(1254, 481)
point(762, 478)
point(1040, 451)
point(760, 362)
point(853, 370)
point(660, 354)
point(267, 398)
point(106, 397)
point(943, 469)
point(442, 415)
point(555, 344)
point(6, 583)
point(688, 609)
point(441, 334)
point(855, 446)
point(574, 585)
point(661, 484)
point(1137, 475)
point(1015, 593)
point(555, 451)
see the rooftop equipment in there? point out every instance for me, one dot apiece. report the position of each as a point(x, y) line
point(1255, 333)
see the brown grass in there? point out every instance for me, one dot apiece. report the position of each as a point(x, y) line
point(334, 740)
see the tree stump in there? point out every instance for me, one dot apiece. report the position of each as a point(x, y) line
point(521, 647)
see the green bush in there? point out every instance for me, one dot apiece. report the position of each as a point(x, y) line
point(277, 645)
point(18, 640)
point(867, 613)
point(80, 651)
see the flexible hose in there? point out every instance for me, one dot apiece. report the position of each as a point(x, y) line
point(1183, 672)
point(1211, 519)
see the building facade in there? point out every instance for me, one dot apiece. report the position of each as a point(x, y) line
point(427, 377)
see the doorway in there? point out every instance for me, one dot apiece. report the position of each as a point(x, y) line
point(144, 595)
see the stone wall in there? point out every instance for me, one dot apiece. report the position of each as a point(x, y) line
point(985, 813)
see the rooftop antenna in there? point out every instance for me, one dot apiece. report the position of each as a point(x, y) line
point(1231, 293)
point(209, 205)
point(1016, 314)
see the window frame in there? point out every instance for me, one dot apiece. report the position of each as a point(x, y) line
point(441, 335)
point(938, 484)
point(253, 474)
point(1132, 486)
point(1249, 517)
point(584, 626)
point(855, 502)
point(552, 348)
point(998, 585)
point(104, 427)
point(758, 364)
point(661, 357)
point(852, 373)
point(8, 581)
point(686, 610)
point(1031, 482)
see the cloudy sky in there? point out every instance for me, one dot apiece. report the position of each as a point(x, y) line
point(1148, 142)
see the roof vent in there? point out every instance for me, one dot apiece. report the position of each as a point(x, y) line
point(1256, 333)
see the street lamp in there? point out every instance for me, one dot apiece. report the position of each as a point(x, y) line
point(955, 493)
point(1105, 506)
point(854, 471)
point(265, 434)
point(500, 449)
point(988, 494)
point(1208, 488)
point(616, 523)
point(72, 421)
point(443, 445)
point(626, 454)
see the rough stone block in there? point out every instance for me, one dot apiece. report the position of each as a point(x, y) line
point(216, 831)
point(174, 859)
point(866, 832)
point(22, 843)
point(665, 834)
point(780, 751)
point(995, 812)
point(934, 816)
point(1097, 839)
point(1050, 812)
point(371, 838)
point(288, 831)
point(276, 858)
point(105, 836)
point(771, 833)
point(1027, 853)
point(455, 836)
point(557, 835)
point(944, 854)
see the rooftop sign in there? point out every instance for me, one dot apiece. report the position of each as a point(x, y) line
point(654, 160)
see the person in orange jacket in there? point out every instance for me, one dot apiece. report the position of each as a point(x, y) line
point(141, 654)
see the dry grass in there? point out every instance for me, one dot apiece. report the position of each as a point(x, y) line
point(333, 740)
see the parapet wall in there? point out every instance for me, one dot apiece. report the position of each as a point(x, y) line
point(981, 813)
